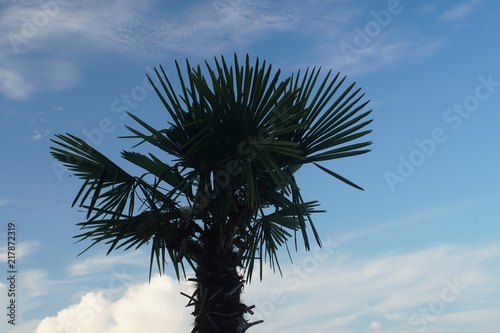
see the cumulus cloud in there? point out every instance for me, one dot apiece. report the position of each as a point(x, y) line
point(25, 326)
point(143, 308)
point(323, 291)
point(459, 12)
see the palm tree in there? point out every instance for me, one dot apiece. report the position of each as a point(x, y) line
point(228, 197)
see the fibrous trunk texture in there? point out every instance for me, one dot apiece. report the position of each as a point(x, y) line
point(217, 298)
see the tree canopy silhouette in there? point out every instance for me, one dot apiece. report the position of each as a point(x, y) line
point(229, 199)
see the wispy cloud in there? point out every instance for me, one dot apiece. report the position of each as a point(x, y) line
point(375, 326)
point(357, 40)
point(346, 294)
point(430, 213)
point(13, 85)
point(34, 283)
point(4, 202)
point(127, 27)
point(32, 31)
point(100, 262)
point(387, 51)
point(150, 30)
point(37, 135)
point(23, 249)
point(459, 12)
point(203, 29)
point(32, 287)
point(26, 248)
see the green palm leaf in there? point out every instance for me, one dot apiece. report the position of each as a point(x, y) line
point(237, 134)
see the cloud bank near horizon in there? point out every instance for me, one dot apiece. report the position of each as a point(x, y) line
point(435, 289)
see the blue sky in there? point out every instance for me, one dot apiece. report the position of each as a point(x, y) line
point(418, 251)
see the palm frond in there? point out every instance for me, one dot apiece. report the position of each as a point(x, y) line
point(237, 133)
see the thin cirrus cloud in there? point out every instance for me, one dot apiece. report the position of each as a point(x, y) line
point(23, 249)
point(459, 12)
point(4, 202)
point(384, 51)
point(347, 295)
point(13, 85)
point(362, 44)
point(41, 37)
point(141, 29)
point(98, 263)
point(127, 27)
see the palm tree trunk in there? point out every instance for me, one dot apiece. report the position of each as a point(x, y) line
point(217, 301)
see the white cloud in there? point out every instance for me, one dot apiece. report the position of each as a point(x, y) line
point(382, 51)
point(352, 39)
point(37, 136)
point(100, 262)
point(428, 9)
point(60, 30)
point(459, 12)
point(143, 308)
point(26, 248)
point(433, 212)
point(209, 28)
point(150, 29)
point(22, 326)
point(23, 249)
point(34, 282)
point(321, 292)
point(376, 326)
point(31, 286)
point(13, 85)
point(4, 202)
point(349, 291)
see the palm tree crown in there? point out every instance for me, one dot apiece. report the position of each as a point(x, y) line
point(229, 197)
